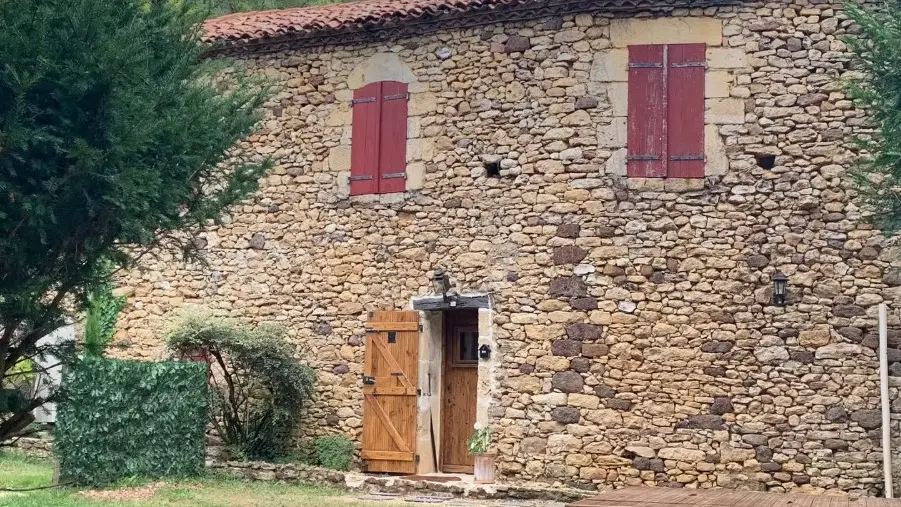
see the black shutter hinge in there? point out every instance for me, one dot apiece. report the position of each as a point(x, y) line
point(686, 157)
point(399, 96)
point(394, 175)
point(363, 100)
point(643, 157)
point(640, 65)
point(360, 178)
point(689, 64)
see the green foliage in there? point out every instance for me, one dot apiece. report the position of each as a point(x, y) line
point(877, 87)
point(101, 316)
point(480, 440)
point(117, 137)
point(123, 419)
point(209, 490)
point(220, 7)
point(257, 388)
point(335, 452)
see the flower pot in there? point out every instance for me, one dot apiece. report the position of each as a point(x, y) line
point(483, 468)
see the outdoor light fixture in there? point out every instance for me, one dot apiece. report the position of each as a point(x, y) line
point(441, 280)
point(485, 352)
point(780, 282)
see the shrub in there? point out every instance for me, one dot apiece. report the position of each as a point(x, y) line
point(257, 387)
point(101, 316)
point(480, 440)
point(121, 419)
point(335, 452)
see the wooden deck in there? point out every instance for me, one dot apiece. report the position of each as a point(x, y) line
point(670, 497)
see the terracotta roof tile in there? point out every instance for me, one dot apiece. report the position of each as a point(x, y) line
point(246, 26)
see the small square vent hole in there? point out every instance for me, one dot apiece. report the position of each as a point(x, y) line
point(493, 169)
point(766, 161)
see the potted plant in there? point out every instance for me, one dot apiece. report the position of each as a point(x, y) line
point(484, 462)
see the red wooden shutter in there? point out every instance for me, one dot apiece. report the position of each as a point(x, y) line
point(393, 144)
point(685, 110)
point(646, 142)
point(364, 143)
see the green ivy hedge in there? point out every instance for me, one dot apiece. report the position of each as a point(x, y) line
point(121, 419)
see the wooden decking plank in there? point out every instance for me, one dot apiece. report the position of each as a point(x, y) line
point(673, 497)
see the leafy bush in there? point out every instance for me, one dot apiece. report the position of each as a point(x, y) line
point(101, 316)
point(120, 419)
point(257, 387)
point(480, 440)
point(335, 452)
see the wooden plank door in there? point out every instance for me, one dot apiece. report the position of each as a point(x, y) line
point(461, 376)
point(390, 385)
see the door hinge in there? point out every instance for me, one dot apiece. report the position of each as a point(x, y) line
point(419, 392)
point(398, 96)
point(370, 330)
point(394, 175)
point(643, 157)
point(420, 326)
point(363, 100)
point(360, 178)
point(645, 65)
point(690, 64)
point(416, 459)
point(686, 157)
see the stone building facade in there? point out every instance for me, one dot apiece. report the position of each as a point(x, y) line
point(634, 337)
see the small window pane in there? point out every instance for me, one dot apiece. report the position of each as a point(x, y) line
point(469, 344)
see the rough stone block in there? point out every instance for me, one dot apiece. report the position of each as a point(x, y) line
point(814, 337)
point(568, 230)
point(625, 32)
point(717, 84)
point(867, 419)
point(610, 66)
point(569, 254)
point(586, 303)
point(380, 67)
point(567, 381)
point(517, 44)
point(681, 454)
point(705, 422)
point(726, 58)
point(339, 159)
point(580, 364)
point(566, 348)
point(613, 135)
point(588, 401)
point(604, 392)
point(422, 104)
point(618, 96)
point(616, 164)
point(584, 332)
point(595, 350)
point(725, 111)
point(716, 347)
point(566, 415)
point(569, 287)
point(721, 405)
point(533, 445)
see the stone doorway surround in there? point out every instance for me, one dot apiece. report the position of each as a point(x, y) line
point(431, 348)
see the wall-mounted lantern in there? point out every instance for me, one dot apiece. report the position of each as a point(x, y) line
point(780, 282)
point(485, 352)
point(441, 281)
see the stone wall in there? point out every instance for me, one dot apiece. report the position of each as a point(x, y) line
point(636, 341)
point(41, 447)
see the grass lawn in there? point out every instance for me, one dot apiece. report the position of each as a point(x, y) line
point(17, 472)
